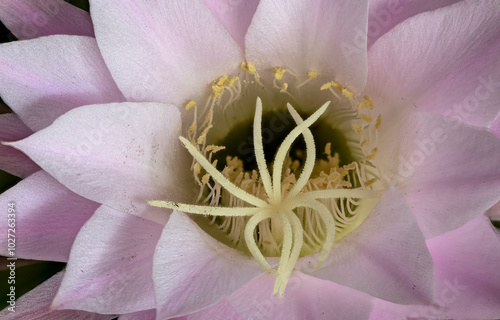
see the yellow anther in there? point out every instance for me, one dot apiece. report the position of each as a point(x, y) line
point(208, 117)
point(366, 117)
point(223, 80)
point(372, 155)
point(370, 182)
point(247, 66)
point(346, 93)
point(278, 73)
point(213, 148)
point(364, 143)
point(217, 91)
point(232, 81)
point(379, 121)
point(196, 169)
point(326, 86)
point(205, 178)
point(192, 128)
point(284, 87)
point(190, 105)
point(312, 74)
point(337, 86)
point(328, 149)
point(357, 129)
point(370, 102)
point(203, 136)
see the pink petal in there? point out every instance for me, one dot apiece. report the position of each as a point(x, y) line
point(386, 256)
point(29, 19)
point(235, 15)
point(11, 160)
point(163, 51)
point(495, 127)
point(306, 297)
point(48, 218)
point(445, 62)
point(121, 155)
point(448, 171)
point(328, 37)
point(192, 270)
point(142, 315)
point(378, 314)
point(466, 262)
point(494, 212)
point(43, 78)
point(35, 305)
point(386, 14)
point(110, 266)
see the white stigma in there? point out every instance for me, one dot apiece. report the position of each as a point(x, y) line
point(279, 206)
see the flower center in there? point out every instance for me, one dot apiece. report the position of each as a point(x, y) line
point(264, 186)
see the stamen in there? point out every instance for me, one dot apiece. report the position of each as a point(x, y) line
point(220, 178)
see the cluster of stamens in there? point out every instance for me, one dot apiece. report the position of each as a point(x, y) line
point(274, 211)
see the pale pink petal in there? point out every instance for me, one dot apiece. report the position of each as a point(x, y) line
point(306, 297)
point(466, 263)
point(444, 61)
point(48, 218)
point(385, 14)
point(380, 258)
point(43, 78)
point(142, 315)
point(120, 154)
point(28, 19)
point(494, 212)
point(235, 15)
point(378, 314)
point(35, 305)
point(11, 160)
point(110, 266)
point(192, 270)
point(495, 127)
point(163, 51)
point(448, 171)
point(328, 37)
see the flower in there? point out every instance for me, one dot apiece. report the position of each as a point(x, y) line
point(388, 221)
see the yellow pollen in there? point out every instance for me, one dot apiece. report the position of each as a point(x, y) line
point(213, 148)
point(284, 87)
point(278, 73)
point(372, 155)
point(369, 102)
point(205, 179)
point(203, 135)
point(192, 128)
point(190, 105)
point(357, 129)
point(346, 93)
point(366, 117)
point(223, 80)
point(232, 81)
point(312, 74)
point(196, 169)
point(379, 122)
